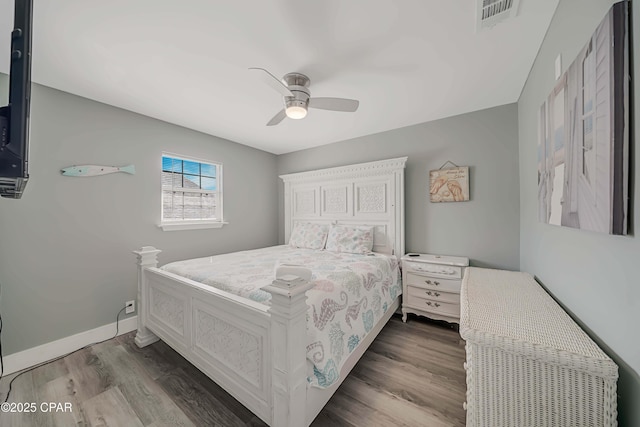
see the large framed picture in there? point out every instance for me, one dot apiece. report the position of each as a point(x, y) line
point(449, 185)
point(583, 135)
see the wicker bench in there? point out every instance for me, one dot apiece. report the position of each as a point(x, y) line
point(528, 363)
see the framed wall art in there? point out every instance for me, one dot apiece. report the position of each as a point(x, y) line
point(449, 185)
point(583, 135)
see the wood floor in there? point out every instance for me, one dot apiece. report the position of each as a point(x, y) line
point(412, 375)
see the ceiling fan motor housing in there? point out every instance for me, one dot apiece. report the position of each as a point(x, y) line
point(298, 84)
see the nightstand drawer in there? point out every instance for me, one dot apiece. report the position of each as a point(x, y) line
point(435, 270)
point(427, 282)
point(438, 307)
point(435, 295)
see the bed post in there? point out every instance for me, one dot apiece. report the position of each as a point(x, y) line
point(288, 350)
point(147, 257)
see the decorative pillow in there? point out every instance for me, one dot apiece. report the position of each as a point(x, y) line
point(351, 239)
point(309, 235)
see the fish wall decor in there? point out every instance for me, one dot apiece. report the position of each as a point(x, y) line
point(93, 170)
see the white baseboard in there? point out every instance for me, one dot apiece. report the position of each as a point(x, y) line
point(33, 356)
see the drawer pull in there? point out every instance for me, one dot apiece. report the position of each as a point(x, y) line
point(432, 303)
point(434, 293)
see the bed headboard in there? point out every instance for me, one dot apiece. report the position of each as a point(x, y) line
point(362, 194)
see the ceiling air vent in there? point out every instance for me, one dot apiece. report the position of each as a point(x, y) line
point(491, 12)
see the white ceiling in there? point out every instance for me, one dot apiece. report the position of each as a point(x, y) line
point(185, 62)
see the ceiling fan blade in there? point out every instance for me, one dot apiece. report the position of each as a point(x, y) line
point(273, 81)
point(334, 104)
point(277, 118)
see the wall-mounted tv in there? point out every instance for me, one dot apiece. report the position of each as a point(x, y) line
point(14, 118)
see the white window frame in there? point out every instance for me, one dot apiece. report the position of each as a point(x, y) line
point(192, 224)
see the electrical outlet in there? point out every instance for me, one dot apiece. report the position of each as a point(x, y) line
point(130, 307)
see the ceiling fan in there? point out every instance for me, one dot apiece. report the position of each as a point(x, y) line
point(294, 87)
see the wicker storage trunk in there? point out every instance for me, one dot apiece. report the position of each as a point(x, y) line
point(528, 363)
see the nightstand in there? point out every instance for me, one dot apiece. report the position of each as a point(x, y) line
point(431, 286)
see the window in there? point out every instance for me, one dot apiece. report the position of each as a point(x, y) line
point(191, 193)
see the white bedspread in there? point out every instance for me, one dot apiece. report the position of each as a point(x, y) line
point(350, 295)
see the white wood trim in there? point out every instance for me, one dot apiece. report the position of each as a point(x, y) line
point(189, 190)
point(191, 225)
point(190, 158)
point(33, 356)
point(168, 225)
point(380, 167)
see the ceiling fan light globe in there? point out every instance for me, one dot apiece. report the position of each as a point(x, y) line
point(296, 112)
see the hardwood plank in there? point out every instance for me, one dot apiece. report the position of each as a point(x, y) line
point(171, 423)
point(145, 396)
point(4, 384)
point(420, 335)
point(172, 418)
point(110, 409)
point(328, 418)
point(88, 374)
point(62, 391)
point(402, 411)
point(194, 375)
point(22, 391)
point(196, 402)
point(355, 412)
point(411, 375)
point(432, 359)
point(414, 385)
point(420, 386)
point(48, 372)
point(165, 361)
point(147, 357)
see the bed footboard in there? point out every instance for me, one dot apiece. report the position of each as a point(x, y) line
point(288, 343)
point(147, 257)
point(256, 353)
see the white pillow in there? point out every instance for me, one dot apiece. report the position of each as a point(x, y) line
point(351, 239)
point(309, 235)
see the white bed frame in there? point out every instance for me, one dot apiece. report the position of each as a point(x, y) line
point(258, 353)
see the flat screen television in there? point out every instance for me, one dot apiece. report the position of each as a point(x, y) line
point(14, 118)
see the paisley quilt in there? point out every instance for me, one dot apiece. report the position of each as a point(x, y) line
point(351, 293)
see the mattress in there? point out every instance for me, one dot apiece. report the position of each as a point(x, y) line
point(351, 294)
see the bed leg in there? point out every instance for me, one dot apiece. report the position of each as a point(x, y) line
point(288, 350)
point(147, 257)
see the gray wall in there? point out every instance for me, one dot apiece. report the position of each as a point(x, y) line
point(65, 248)
point(595, 276)
point(485, 228)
